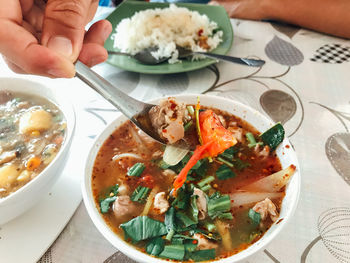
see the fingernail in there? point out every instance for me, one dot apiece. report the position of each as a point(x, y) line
point(58, 73)
point(61, 45)
point(106, 33)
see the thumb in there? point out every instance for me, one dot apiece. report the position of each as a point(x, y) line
point(64, 26)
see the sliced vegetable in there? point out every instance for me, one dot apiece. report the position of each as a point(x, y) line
point(110, 197)
point(149, 201)
point(176, 252)
point(188, 125)
point(197, 155)
point(173, 155)
point(185, 219)
point(218, 204)
point(239, 164)
point(206, 188)
point(225, 235)
point(126, 155)
point(182, 199)
point(251, 139)
point(140, 194)
point(209, 226)
point(224, 172)
point(136, 169)
point(203, 255)
point(106, 203)
point(155, 246)
point(206, 181)
point(169, 222)
point(223, 160)
point(33, 163)
point(230, 152)
point(273, 136)
point(242, 198)
point(273, 182)
point(142, 228)
point(198, 127)
point(254, 216)
point(212, 130)
point(190, 110)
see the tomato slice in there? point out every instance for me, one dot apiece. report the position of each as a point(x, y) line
point(197, 155)
point(212, 130)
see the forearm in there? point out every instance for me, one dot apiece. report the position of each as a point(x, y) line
point(328, 16)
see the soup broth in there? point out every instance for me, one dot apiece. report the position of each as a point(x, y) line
point(32, 130)
point(197, 232)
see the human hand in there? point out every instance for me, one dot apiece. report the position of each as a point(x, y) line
point(47, 38)
point(244, 9)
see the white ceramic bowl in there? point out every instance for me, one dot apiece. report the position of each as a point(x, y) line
point(286, 155)
point(28, 195)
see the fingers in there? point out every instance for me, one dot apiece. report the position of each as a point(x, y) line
point(93, 51)
point(22, 49)
point(63, 26)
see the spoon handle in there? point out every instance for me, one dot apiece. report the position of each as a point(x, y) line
point(243, 61)
point(123, 102)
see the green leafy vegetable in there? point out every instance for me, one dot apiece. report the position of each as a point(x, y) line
point(206, 188)
point(224, 172)
point(142, 228)
point(155, 246)
point(218, 205)
point(169, 222)
point(230, 152)
point(251, 139)
point(254, 216)
point(188, 125)
point(176, 252)
point(205, 181)
point(105, 204)
point(239, 164)
point(209, 226)
point(203, 255)
point(223, 160)
point(182, 199)
point(140, 194)
point(136, 169)
point(110, 197)
point(185, 219)
point(273, 136)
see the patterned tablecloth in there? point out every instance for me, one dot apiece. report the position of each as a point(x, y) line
point(305, 84)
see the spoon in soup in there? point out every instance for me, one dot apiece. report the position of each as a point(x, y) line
point(135, 110)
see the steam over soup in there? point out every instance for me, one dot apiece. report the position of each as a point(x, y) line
point(191, 206)
point(32, 130)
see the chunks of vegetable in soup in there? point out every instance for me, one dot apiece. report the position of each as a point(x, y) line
point(32, 130)
point(205, 205)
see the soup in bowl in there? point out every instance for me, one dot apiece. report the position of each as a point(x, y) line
point(36, 127)
point(223, 200)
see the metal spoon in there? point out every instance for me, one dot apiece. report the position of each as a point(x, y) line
point(184, 52)
point(145, 57)
point(135, 110)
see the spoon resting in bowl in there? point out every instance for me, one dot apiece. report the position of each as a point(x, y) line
point(135, 110)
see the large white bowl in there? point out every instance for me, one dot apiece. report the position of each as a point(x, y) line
point(28, 195)
point(286, 155)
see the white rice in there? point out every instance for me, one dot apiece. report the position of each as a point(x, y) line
point(166, 28)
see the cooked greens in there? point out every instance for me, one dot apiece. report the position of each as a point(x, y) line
point(273, 136)
point(136, 169)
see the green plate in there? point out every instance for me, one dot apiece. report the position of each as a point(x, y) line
point(129, 8)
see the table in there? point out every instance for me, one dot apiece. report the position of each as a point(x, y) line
point(305, 85)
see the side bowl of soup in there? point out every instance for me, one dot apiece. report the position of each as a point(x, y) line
point(116, 137)
point(36, 129)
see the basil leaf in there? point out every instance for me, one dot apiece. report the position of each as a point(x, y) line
point(142, 228)
point(155, 246)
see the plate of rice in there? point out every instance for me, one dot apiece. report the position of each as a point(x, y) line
point(140, 25)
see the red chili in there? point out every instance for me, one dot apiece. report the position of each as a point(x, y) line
point(147, 180)
point(200, 32)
